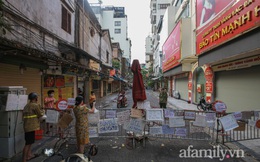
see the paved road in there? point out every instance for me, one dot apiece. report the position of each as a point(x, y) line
point(113, 149)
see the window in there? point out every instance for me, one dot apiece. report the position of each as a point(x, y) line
point(163, 6)
point(107, 59)
point(117, 23)
point(117, 31)
point(66, 20)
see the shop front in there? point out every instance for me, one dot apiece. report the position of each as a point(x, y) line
point(229, 48)
point(20, 75)
point(181, 84)
point(63, 85)
point(239, 87)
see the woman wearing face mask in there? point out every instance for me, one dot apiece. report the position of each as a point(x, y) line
point(49, 102)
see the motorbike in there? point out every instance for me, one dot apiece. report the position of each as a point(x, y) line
point(203, 105)
point(121, 100)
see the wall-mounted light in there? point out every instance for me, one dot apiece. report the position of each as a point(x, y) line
point(22, 68)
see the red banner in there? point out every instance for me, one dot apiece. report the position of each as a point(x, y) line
point(242, 16)
point(171, 49)
point(209, 87)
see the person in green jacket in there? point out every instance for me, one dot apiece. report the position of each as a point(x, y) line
point(163, 96)
point(32, 113)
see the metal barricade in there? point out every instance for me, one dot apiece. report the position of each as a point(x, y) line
point(246, 129)
point(193, 132)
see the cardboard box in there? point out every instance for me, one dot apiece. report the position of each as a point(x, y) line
point(65, 120)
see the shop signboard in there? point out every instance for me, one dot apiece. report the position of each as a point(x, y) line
point(171, 49)
point(209, 87)
point(226, 20)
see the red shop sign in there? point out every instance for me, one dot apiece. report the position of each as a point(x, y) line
point(238, 19)
point(209, 87)
point(208, 74)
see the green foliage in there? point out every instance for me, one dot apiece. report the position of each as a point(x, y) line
point(116, 64)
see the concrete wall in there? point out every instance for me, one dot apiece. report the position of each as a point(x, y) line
point(88, 43)
point(46, 14)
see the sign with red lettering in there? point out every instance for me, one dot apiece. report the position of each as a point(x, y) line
point(62, 104)
point(171, 49)
point(208, 74)
point(238, 64)
point(236, 19)
point(209, 87)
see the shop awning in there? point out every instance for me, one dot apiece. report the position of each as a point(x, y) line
point(118, 79)
point(156, 78)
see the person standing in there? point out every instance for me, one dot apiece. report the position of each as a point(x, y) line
point(81, 115)
point(49, 102)
point(92, 98)
point(31, 114)
point(163, 96)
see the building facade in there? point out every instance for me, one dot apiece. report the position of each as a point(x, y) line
point(115, 20)
point(207, 57)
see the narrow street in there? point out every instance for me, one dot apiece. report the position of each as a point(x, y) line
point(113, 149)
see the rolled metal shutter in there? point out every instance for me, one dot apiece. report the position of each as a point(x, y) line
point(239, 89)
point(11, 76)
point(182, 87)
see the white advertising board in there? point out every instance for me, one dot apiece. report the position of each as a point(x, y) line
point(228, 122)
point(154, 115)
point(108, 126)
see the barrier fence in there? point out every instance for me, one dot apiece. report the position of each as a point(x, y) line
point(163, 123)
point(247, 128)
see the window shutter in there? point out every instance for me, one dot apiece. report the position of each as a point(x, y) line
point(64, 18)
point(69, 23)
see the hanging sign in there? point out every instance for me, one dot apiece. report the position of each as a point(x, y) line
point(155, 130)
point(108, 126)
point(228, 122)
point(62, 104)
point(123, 116)
point(177, 121)
point(168, 113)
point(154, 115)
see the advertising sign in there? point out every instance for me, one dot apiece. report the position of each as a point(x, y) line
point(207, 10)
point(168, 113)
point(177, 122)
point(171, 49)
point(62, 104)
point(108, 126)
point(156, 130)
point(123, 116)
point(136, 125)
point(209, 87)
point(228, 122)
point(167, 130)
point(189, 115)
point(154, 115)
point(234, 18)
